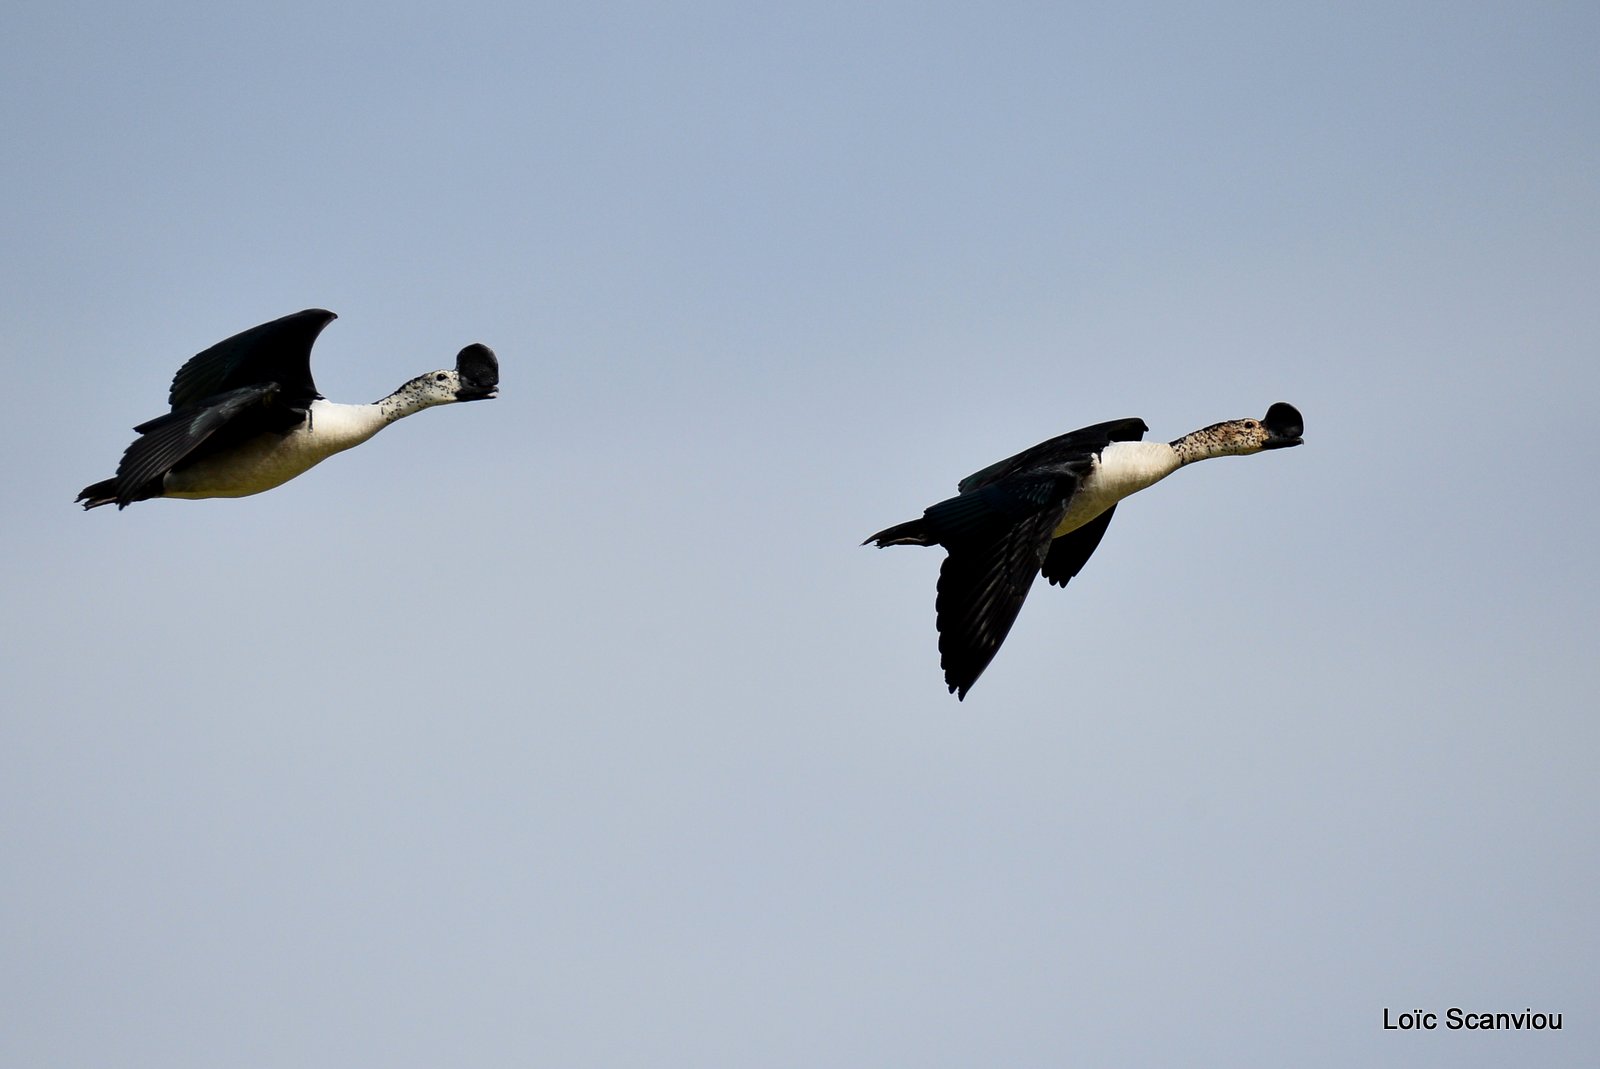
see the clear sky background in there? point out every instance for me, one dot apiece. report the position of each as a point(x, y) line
point(576, 728)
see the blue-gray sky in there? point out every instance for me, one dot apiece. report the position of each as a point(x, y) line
point(576, 728)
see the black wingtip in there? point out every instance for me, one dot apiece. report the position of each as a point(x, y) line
point(960, 682)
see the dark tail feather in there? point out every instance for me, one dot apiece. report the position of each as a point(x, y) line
point(101, 493)
point(911, 533)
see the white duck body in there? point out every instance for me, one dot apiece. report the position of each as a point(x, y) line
point(246, 416)
point(271, 459)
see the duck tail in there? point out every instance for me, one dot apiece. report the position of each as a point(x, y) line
point(911, 533)
point(101, 493)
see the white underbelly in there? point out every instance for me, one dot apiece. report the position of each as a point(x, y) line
point(261, 463)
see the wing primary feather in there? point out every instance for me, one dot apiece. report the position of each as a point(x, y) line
point(982, 587)
point(279, 351)
point(1069, 553)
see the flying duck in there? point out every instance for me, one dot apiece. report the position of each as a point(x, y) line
point(1045, 510)
point(246, 416)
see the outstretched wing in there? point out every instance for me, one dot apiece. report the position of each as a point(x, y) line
point(982, 586)
point(1069, 553)
point(996, 537)
point(277, 352)
point(166, 441)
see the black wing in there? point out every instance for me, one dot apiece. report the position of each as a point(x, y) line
point(167, 441)
point(1072, 446)
point(997, 537)
point(277, 352)
point(1069, 553)
point(982, 586)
